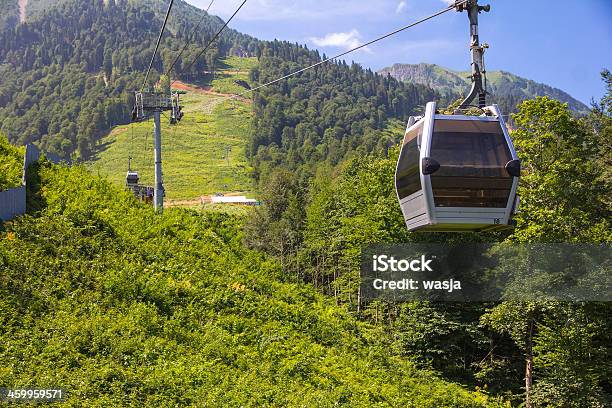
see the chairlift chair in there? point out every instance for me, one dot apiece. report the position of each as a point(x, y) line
point(131, 178)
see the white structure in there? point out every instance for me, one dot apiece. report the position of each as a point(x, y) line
point(238, 200)
point(13, 200)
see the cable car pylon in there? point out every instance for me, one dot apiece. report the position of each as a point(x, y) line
point(156, 102)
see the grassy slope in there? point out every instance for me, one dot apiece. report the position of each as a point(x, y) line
point(233, 69)
point(192, 152)
point(124, 308)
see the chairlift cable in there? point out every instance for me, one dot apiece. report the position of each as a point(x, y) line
point(161, 34)
point(147, 156)
point(191, 37)
point(214, 38)
point(399, 30)
point(173, 142)
point(131, 148)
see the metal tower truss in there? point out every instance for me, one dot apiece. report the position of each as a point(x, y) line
point(147, 102)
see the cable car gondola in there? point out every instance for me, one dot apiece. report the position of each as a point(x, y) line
point(459, 172)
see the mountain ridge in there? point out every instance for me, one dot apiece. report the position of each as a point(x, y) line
point(505, 88)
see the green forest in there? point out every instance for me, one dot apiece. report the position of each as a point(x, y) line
point(175, 309)
point(199, 307)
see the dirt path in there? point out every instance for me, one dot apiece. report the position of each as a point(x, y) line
point(233, 71)
point(196, 202)
point(118, 130)
point(183, 203)
point(22, 10)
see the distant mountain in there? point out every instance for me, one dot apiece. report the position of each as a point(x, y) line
point(506, 88)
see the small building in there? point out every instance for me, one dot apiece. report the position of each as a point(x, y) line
point(229, 200)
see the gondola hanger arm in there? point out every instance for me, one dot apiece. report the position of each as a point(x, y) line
point(477, 50)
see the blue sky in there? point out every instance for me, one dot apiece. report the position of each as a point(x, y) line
point(563, 43)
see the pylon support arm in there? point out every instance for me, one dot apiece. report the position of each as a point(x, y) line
point(148, 102)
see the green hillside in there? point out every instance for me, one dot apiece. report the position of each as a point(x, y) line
point(194, 153)
point(35, 9)
point(124, 308)
point(261, 306)
point(229, 70)
point(11, 14)
point(68, 76)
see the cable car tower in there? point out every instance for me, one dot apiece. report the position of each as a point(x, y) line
point(149, 103)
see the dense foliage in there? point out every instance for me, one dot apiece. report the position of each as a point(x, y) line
point(12, 14)
point(564, 199)
point(323, 114)
point(124, 308)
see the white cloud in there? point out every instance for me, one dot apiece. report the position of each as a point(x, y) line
point(448, 2)
point(347, 40)
point(400, 7)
